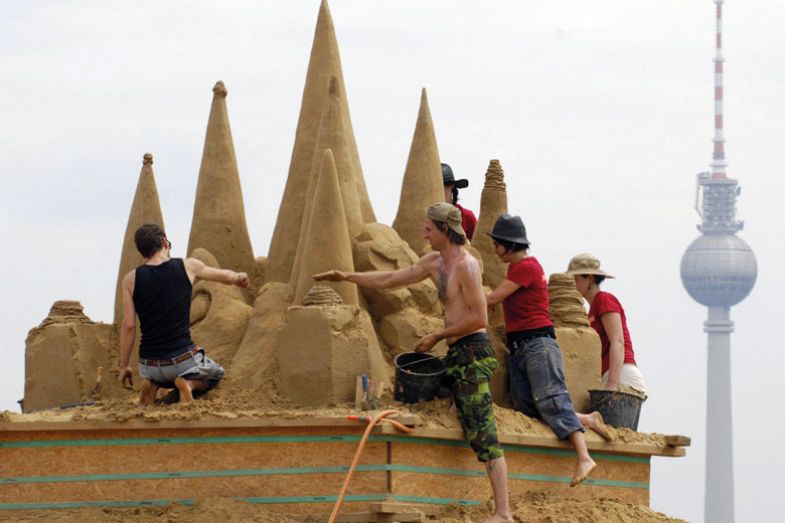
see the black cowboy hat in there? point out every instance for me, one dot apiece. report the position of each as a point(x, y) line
point(509, 228)
point(449, 178)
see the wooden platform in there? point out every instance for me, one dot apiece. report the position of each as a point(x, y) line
point(295, 466)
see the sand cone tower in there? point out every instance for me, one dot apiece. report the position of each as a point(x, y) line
point(333, 136)
point(327, 244)
point(493, 203)
point(324, 64)
point(145, 209)
point(218, 223)
point(422, 182)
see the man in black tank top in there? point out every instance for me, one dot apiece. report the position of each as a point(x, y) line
point(159, 292)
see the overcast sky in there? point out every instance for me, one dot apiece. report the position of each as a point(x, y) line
point(600, 113)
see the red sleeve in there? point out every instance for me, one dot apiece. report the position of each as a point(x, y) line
point(521, 273)
point(469, 223)
point(605, 303)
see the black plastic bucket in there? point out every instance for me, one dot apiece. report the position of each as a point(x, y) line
point(418, 376)
point(618, 409)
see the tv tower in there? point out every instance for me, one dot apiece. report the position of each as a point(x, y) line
point(718, 270)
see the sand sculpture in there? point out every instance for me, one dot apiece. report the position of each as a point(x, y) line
point(493, 203)
point(298, 343)
point(327, 243)
point(66, 357)
point(324, 64)
point(144, 209)
point(580, 345)
point(218, 224)
point(422, 180)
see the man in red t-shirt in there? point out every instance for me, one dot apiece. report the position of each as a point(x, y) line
point(451, 186)
point(535, 365)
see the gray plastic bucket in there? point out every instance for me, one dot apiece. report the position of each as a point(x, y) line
point(418, 376)
point(618, 409)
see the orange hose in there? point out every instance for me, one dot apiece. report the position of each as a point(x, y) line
point(373, 422)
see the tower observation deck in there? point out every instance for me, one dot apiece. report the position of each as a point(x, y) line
point(718, 270)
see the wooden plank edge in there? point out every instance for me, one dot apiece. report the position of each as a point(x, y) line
point(217, 423)
point(544, 441)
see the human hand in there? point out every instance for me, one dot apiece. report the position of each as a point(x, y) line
point(426, 343)
point(333, 275)
point(611, 385)
point(241, 280)
point(125, 378)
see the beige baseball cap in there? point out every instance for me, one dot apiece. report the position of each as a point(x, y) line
point(447, 213)
point(586, 263)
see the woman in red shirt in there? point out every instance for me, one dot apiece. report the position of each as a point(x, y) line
point(607, 317)
point(535, 365)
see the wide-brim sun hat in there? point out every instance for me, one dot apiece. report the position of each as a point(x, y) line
point(449, 178)
point(509, 228)
point(586, 263)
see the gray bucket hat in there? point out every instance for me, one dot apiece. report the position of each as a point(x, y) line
point(449, 178)
point(586, 263)
point(509, 228)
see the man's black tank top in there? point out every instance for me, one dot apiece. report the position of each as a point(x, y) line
point(162, 297)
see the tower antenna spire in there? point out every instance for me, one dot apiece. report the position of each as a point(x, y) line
point(718, 164)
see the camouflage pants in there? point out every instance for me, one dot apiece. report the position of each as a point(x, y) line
point(470, 364)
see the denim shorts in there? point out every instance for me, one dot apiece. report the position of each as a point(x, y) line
point(197, 367)
point(536, 371)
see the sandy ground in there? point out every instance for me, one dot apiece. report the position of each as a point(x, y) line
point(534, 507)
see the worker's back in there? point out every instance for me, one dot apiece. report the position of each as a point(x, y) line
point(162, 298)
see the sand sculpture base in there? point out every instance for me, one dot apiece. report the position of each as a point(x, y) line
point(293, 466)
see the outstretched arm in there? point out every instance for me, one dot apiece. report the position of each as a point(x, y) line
point(197, 269)
point(127, 330)
point(378, 279)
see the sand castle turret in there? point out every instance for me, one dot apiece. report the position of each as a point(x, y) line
point(422, 182)
point(324, 64)
point(145, 209)
point(493, 203)
point(218, 223)
point(327, 243)
point(333, 135)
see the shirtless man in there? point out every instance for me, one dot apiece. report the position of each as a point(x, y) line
point(159, 291)
point(470, 360)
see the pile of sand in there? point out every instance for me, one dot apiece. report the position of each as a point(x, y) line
point(222, 404)
point(542, 507)
point(534, 507)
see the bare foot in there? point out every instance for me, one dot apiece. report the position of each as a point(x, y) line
point(597, 424)
point(186, 396)
point(149, 390)
point(582, 471)
point(498, 518)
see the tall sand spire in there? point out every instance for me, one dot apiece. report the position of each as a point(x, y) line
point(327, 242)
point(333, 136)
point(145, 209)
point(324, 64)
point(218, 223)
point(493, 203)
point(422, 182)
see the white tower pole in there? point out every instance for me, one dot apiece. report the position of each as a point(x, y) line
point(719, 501)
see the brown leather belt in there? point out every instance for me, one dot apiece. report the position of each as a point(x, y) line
point(174, 361)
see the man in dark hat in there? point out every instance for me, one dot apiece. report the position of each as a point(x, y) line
point(470, 359)
point(451, 186)
point(535, 365)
